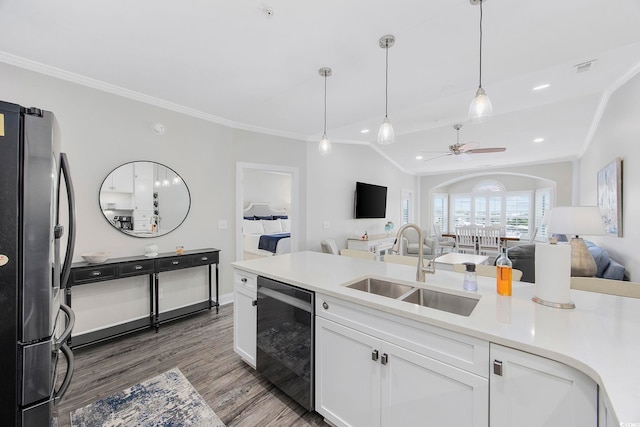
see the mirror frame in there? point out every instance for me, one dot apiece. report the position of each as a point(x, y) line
point(132, 234)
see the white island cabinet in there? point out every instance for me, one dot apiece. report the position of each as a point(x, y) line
point(245, 292)
point(385, 371)
point(528, 390)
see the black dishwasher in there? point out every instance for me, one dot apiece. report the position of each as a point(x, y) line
point(285, 339)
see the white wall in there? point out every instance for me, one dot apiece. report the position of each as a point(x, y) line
point(331, 186)
point(618, 135)
point(266, 186)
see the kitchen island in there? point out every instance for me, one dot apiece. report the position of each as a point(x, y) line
point(600, 337)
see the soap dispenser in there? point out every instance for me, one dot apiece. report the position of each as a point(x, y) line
point(470, 278)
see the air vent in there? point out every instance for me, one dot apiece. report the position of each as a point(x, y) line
point(585, 66)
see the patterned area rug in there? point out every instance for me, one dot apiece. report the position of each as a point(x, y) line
point(166, 400)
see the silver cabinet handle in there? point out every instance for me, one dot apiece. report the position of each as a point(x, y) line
point(374, 355)
point(175, 262)
point(325, 305)
point(138, 267)
point(497, 367)
point(204, 258)
point(96, 273)
point(384, 359)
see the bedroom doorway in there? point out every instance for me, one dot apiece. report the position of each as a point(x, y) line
point(264, 191)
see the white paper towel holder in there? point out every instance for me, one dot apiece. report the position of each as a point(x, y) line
point(569, 304)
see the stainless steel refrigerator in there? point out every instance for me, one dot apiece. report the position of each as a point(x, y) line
point(34, 322)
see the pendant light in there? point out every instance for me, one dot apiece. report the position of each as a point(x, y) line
point(324, 148)
point(385, 133)
point(480, 109)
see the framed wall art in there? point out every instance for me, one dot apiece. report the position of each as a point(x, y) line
point(610, 197)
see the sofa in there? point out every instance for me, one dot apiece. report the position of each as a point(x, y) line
point(523, 259)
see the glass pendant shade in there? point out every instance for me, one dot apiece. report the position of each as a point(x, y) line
point(324, 148)
point(480, 109)
point(386, 135)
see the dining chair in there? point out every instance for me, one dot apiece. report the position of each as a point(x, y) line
point(358, 254)
point(466, 239)
point(487, 271)
point(329, 247)
point(489, 240)
point(443, 242)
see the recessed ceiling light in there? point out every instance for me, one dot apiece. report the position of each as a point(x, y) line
point(538, 140)
point(418, 157)
point(364, 131)
point(542, 86)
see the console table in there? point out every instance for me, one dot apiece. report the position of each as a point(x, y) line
point(377, 243)
point(83, 273)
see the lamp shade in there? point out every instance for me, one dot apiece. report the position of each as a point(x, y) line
point(574, 220)
point(324, 148)
point(480, 109)
point(386, 135)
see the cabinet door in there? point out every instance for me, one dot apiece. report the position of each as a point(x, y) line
point(418, 390)
point(534, 391)
point(347, 379)
point(244, 318)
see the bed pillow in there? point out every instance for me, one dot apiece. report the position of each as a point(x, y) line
point(286, 225)
point(272, 226)
point(252, 227)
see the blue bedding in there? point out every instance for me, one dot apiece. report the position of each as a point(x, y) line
point(269, 242)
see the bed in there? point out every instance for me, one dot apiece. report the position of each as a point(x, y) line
point(265, 231)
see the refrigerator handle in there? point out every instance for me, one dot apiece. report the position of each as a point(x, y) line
point(59, 394)
point(70, 324)
point(71, 241)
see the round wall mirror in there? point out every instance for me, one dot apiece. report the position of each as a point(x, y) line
point(144, 199)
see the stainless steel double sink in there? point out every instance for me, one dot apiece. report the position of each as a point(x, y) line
point(444, 301)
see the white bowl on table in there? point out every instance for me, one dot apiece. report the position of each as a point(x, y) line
point(96, 257)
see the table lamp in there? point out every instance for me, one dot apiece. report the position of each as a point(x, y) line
point(577, 221)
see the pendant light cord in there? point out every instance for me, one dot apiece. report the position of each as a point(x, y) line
point(325, 104)
point(386, 80)
point(480, 62)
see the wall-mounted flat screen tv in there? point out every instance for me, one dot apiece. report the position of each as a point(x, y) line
point(370, 201)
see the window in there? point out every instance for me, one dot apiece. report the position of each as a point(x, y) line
point(491, 204)
point(461, 210)
point(543, 204)
point(406, 207)
point(517, 214)
point(440, 213)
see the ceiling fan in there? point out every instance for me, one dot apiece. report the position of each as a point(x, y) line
point(464, 149)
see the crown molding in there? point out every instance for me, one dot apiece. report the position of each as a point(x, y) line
point(81, 80)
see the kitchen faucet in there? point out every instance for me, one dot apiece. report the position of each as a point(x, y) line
point(431, 268)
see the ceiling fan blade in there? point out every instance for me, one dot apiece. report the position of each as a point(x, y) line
point(437, 157)
point(464, 157)
point(468, 146)
point(486, 150)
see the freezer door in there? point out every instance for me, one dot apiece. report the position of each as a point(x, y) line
point(40, 269)
point(38, 367)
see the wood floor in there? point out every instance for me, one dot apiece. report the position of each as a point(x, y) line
point(201, 346)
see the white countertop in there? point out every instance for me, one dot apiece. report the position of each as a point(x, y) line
point(600, 337)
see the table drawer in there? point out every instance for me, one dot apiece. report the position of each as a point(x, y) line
point(204, 259)
point(94, 273)
point(174, 263)
point(136, 268)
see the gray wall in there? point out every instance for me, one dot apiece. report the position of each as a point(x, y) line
point(559, 175)
point(618, 135)
point(331, 186)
